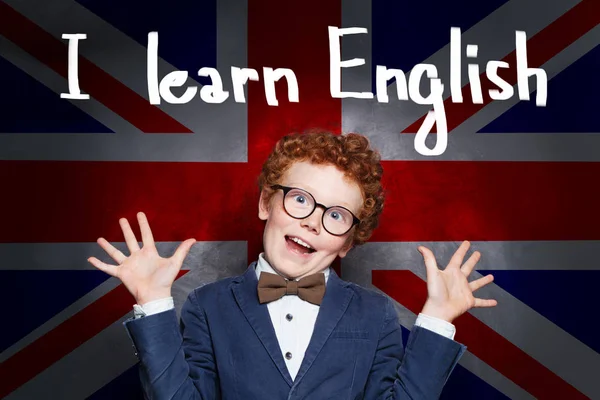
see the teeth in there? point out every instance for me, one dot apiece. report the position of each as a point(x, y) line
point(300, 242)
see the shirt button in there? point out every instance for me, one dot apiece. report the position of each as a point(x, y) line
point(288, 355)
point(289, 317)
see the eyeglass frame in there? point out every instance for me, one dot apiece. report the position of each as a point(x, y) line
point(287, 189)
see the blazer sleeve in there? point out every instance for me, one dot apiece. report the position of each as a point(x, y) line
point(420, 371)
point(176, 360)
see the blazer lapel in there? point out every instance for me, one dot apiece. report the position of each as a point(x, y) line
point(334, 305)
point(246, 295)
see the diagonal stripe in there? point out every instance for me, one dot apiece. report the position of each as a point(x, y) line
point(408, 289)
point(93, 80)
point(65, 338)
point(540, 48)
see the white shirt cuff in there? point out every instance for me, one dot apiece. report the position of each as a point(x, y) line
point(436, 325)
point(153, 307)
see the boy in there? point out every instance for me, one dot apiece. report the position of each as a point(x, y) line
point(289, 327)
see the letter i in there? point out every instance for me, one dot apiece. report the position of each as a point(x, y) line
point(474, 81)
point(72, 67)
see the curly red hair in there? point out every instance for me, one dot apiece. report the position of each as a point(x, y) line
point(350, 153)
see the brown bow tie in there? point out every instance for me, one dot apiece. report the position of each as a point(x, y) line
point(271, 287)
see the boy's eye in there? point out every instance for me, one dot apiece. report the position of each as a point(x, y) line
point(297, 199)
point(300, 199)
point(338, 216)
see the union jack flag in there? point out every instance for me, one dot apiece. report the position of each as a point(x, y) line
point(516, 180)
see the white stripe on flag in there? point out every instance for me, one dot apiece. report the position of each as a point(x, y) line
point(73, 256)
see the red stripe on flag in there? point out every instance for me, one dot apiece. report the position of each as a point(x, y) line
point(280, 37)
point(463, 200)
point(60, 341)
point(75, 201)
point(69, 201)
point(540, 48)
point(93, 80)
point(492, 348)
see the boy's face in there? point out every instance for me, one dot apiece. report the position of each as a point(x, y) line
point(329, 187)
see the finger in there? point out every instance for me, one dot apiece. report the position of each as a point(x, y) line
point(182, 251)
point(147, 238)
point(459, 255)
point(430, 263)
point(111, 250)
point(468, 266)
point(485, 302)
point(132, 243)
point(109, 269)
point(481, 282)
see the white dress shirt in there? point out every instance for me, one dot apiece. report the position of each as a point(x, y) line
point(293, 320)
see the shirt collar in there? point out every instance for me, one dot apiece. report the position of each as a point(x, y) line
point(263, 265)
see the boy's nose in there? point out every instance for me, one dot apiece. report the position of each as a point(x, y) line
point(313, 221)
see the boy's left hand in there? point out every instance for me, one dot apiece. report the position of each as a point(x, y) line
point(449, 293)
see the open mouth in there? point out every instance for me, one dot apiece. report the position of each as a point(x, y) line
point(298, 245)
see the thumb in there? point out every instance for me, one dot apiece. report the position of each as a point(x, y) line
point(430, 263)
point(182, 251)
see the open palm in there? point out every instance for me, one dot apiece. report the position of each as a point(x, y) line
point(146, 274)
point(449, 293)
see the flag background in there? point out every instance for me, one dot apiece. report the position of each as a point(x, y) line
point(518, 181)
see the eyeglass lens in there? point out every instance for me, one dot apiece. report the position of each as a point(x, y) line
point(300, 204)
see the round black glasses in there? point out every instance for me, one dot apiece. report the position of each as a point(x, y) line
point(300, 204)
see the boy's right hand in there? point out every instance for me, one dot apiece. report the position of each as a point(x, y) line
point(144, 273)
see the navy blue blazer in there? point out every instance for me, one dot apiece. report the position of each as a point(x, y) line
point(225, 347)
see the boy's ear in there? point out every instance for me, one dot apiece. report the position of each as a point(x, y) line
point(347, 247)
point(263, 206)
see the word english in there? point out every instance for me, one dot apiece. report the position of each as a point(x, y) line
point(410, 88)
